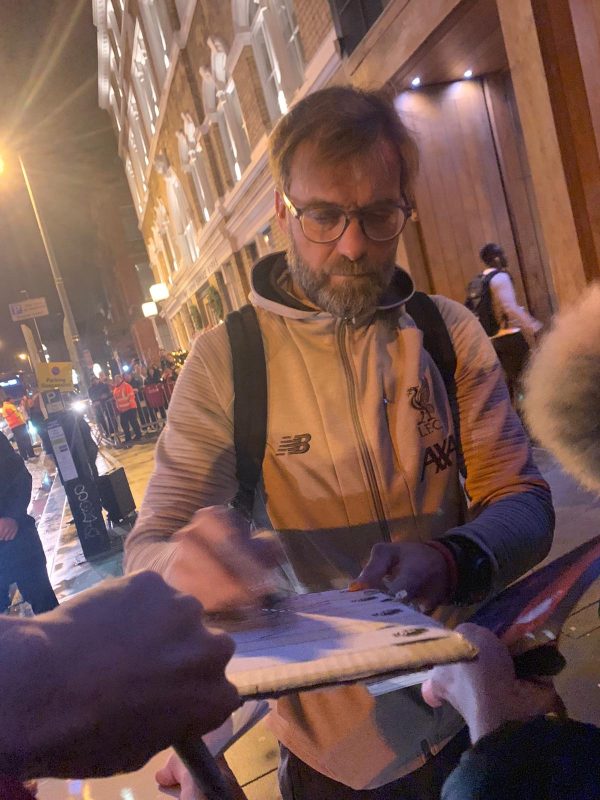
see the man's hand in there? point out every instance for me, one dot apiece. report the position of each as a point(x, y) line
point(109, 678)
point(8, 529)
point(412, 567)
point(485, 692)
point(175, 773)
point(218, 562)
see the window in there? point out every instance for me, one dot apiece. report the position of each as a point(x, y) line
point(184, 7)
point(193, 162)
point(138, 156)
point(233, 131)
point(114, 32)
point(164, 240)
point(145, 277)
point(352, 19)
point(144, 83)
point(157, 27)
point(155, 250)
point(277, 51)
point(133, 185)
point(199, 175)
point(130, 225)
point(283, 12)
point(221, 103)
point(115, 107)
point(179, 216)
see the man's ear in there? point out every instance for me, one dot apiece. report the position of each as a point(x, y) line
point(280, 210)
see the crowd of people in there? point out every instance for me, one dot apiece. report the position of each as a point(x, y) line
point(135, 397)
point(370, 465)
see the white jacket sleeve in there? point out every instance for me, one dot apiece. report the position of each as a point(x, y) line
point(195, 456)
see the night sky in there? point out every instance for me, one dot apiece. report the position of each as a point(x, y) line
point(49, 113)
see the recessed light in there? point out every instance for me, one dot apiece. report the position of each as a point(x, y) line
point(415, 82)
point(468, 73)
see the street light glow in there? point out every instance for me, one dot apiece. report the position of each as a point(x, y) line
point(2, 165)
point(159, 291)
point(23, 356)
point(149, 309)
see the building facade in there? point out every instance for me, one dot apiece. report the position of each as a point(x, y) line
point(509, 143)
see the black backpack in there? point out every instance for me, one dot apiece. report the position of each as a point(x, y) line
point(250, 387)
point(479, 301)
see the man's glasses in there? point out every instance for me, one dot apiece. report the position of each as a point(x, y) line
point(324, 223)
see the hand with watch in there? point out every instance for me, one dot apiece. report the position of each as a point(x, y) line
point(448, 571)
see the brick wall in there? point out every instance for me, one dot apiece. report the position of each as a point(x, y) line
point(314, 21)
point(251, 95)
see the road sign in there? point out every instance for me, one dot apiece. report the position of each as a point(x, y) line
point(28, 309)
point(55, 375)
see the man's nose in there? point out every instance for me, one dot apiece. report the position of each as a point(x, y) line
point(353, 243)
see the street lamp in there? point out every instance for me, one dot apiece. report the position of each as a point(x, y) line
point(150, 309)
point(25, 357)
point(70, 328)
point(158, 292)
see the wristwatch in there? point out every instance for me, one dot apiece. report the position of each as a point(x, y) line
point(474, 567)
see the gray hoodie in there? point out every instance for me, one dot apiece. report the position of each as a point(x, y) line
point(377, 462)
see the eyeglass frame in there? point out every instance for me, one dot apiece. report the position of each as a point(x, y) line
point(297, 213)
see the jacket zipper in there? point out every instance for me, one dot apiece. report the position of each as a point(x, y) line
point(362, 442)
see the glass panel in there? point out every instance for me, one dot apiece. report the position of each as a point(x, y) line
point(267, 69)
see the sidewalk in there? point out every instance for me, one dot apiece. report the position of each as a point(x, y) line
point(254, 758)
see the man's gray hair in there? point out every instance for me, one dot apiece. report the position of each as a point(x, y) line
point(342, 122)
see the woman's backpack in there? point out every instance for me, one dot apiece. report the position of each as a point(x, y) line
point(479, 301)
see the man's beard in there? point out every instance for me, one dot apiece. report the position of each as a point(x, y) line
point(353, 297)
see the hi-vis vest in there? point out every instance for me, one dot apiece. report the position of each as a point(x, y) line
point(12, 415)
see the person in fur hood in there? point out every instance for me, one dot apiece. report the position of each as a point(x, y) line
point(562, 390)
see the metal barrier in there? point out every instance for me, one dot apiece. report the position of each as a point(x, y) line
point(152, 402)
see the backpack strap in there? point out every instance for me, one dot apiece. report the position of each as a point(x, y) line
point(250, 387)
point(438, 343)
point(249, 402)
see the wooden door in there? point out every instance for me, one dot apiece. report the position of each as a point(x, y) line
point(459, 193)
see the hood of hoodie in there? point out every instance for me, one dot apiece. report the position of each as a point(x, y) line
point(270, 278)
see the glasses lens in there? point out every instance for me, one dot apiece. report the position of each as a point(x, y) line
point(323, 224)
point(383, 223)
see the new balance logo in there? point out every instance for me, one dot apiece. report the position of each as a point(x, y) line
point(439, 456)
point(294, 445)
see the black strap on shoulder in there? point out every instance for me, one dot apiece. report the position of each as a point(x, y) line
point(250, 386)
point(249, 403)
point(438, 343)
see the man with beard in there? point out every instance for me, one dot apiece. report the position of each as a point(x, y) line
point(360, 477)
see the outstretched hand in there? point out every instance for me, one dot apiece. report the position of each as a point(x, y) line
point(485, 692)
point(217, 560)
point(413, 568)
point(100, 684)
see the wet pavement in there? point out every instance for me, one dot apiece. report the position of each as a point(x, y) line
point(254, 758)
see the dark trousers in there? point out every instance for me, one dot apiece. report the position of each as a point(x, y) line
point(41, 426)
point(298, 781)
point(23, 441)
point(512, 351)
point(22, 561)
point(129, 418)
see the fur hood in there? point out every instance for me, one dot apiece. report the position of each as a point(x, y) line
point(562, 390)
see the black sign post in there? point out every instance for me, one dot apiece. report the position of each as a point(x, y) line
point(78, 478)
